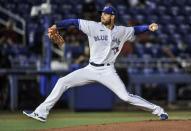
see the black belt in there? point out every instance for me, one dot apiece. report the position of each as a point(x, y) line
point(94, 64)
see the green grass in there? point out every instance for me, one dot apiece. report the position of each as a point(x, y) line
point(19, 122)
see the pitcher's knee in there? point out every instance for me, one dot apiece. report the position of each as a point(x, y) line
point(125, 97)
point(63, 81)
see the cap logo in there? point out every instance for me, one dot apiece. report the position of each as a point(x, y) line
point(106, 7)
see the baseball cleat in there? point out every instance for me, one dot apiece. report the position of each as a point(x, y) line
point(34, 115)
point(164, 116)
point(160, 112)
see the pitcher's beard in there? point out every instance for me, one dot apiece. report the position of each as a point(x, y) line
point(106, 22)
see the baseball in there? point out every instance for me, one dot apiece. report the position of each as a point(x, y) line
point(154, 28)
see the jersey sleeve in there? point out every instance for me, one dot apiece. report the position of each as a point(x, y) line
point(86, 26)
point(129, 34)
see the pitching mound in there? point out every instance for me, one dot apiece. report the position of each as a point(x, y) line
point(181, 125)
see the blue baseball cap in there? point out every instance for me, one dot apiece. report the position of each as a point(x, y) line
point(109, 10)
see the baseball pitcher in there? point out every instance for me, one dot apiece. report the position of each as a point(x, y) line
point(105, 41)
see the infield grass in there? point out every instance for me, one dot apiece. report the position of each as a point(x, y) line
point(19, 122)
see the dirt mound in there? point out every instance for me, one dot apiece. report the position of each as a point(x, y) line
point(168, 125)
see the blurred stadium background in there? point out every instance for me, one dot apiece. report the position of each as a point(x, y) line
point(156, 66)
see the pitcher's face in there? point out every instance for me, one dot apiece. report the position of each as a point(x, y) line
point(106, 19)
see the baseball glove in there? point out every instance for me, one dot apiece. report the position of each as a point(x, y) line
point(55, 36)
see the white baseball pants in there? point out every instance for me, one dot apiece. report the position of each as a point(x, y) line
point(105, 75)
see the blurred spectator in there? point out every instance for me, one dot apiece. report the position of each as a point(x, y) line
point(89, 10)
point(127, 49)
point(8, 36)
point(182, 49)
point(79, 35)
